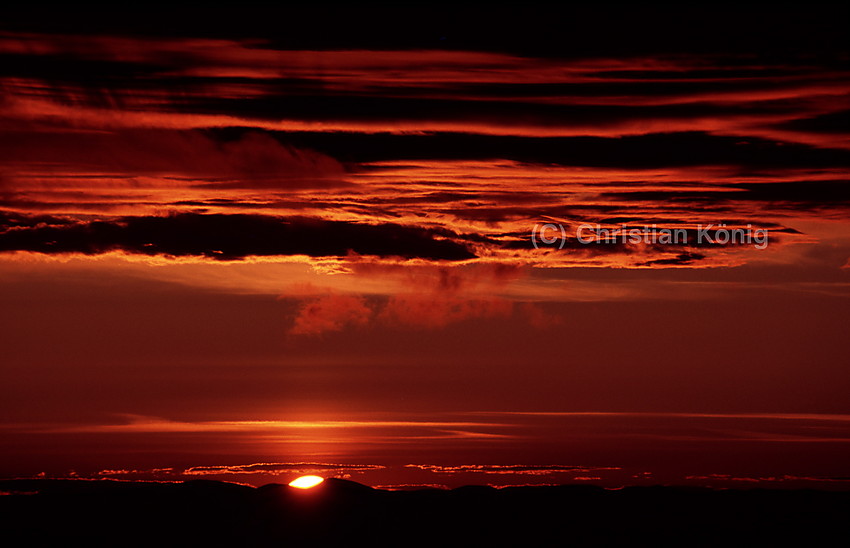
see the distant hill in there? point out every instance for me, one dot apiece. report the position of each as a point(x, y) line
point(339, 513)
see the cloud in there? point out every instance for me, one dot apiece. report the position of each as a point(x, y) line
point(833, 123)
point(816, 194)
point(249, 160)
point(685, 258)
point(232, 237)
point(156, 472)
point(538, 318)
point(461, 150)
point(766, 479)
point(662, 147)
point(283, 429)
point(335, 312)
point(218, 82)
point(418, 296)
point(330, 313)
point(430, 312)
point(523, 469)
point(277, 468)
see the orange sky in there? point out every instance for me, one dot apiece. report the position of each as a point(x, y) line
point(226, 249)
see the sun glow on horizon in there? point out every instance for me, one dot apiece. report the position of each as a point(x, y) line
point(306, 482)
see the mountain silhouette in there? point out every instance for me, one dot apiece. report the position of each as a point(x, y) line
point(340, 512)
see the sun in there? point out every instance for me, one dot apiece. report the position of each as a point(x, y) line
point(306, 482)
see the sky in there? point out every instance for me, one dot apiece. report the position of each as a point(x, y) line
point(245, 245)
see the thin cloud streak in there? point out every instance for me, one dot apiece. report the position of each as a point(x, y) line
point(156, 425)
point(830, 417)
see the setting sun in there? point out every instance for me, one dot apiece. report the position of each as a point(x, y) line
point(483, 268)
point(306, 482)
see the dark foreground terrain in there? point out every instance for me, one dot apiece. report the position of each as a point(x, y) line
point(339, 513)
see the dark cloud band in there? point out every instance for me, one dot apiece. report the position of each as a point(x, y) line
point(228, 237)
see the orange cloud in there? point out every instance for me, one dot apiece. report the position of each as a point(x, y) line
point(431, 312)
point(330, 313)
point(255, 160)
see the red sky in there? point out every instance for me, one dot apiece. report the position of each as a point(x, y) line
point(231, 253)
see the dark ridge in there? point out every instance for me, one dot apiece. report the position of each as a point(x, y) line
point(340, 512)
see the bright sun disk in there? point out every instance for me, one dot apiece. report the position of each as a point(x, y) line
point(306, 482)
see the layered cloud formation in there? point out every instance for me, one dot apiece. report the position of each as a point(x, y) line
point(451, 154)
